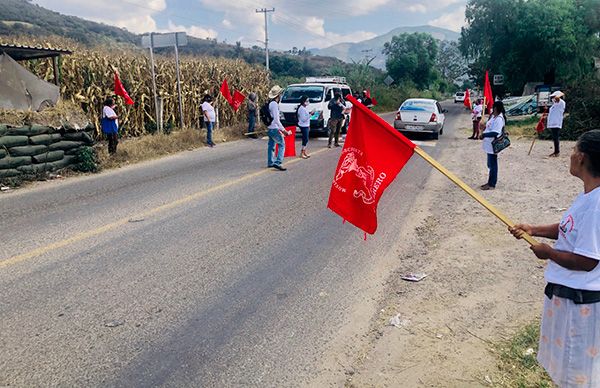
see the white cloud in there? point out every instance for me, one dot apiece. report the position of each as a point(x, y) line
point(195, 31)
point(331, 38)
point(226, 23)
point(417, 8)
point(452, 21)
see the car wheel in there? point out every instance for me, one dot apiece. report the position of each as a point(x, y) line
point(442, 131)
point(435, 135)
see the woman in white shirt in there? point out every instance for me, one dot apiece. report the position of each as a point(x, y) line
point(493, 129)
point(570, 332)
point(555, 119)
point(476, 114)
point(209, 119)
point(304, 124)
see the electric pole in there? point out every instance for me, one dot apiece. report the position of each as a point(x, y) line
point(265, 11)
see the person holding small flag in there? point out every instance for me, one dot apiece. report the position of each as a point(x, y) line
point(476, 115)
point(209, 118)
point(110, 125)
point(493, 129)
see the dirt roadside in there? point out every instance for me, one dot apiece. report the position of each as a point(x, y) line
point(482, 285)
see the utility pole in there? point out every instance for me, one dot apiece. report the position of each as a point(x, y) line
point(265, 11)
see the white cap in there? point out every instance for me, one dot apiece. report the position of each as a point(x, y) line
point(557, 93)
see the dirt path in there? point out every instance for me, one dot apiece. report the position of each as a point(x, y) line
point(482, 285)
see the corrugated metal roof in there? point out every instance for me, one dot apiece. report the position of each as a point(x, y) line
point(21, 52)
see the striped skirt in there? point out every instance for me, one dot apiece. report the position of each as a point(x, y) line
point(570, 342)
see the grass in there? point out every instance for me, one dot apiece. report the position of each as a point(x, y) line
point(138, 149)
point(519, 368)
point(522, 126)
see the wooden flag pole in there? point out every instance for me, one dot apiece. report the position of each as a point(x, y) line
point(531, 147)
point(456, 180)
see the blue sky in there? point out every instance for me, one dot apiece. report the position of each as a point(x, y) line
point(299, 23)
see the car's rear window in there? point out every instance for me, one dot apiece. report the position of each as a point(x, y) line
point(460, 94)
point(426, 106)
point(293, 94)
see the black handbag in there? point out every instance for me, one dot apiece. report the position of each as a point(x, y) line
point(501, 142)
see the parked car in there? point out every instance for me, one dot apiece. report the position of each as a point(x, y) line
point(320, 90)
point(420, 115)
point(459, 97)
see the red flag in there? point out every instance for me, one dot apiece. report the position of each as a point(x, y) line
point(373, 101)
point(487, 94)
point(120, 90)
point(467, 101)
point(236, 100)
point(373, 154)
point(541, 125)
point(290, 143)
point(225, 91)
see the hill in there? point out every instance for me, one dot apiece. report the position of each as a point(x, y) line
point(349, 52)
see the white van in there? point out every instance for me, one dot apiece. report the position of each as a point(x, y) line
point(320, 90)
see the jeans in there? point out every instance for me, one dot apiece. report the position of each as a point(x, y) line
point(555, 137)
point(209, 129)
point(251, 122)
point(113, 140)
point(275, 138)
point(304, 136)
point(335, 126)
point(492, 163)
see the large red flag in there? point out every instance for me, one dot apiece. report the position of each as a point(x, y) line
point(290, 143)
point(225, 91)
point(373, 154)
point(467, 101)
point(120, 90)
point(487, 93)
point(236, 100)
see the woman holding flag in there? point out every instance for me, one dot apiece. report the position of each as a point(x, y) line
point(569, 347)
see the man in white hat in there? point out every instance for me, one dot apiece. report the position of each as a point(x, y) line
point(555, 119)
point(276, 131)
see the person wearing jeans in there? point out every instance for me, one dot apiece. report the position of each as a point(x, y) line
point(493, 129)
point(209, 119)
point(252, 109)
point(555, 119)
point(304, 124)
point(110, 125)
point(276, 131)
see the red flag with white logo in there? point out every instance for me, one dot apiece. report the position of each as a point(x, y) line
point(373, 155)
point(236, 100)
point(225, 91)
point(120, 90)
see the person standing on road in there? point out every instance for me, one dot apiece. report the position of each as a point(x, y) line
point(493, 129)
point(555, 119)
point(276, 131)
point(570, 330)
point(252, 111)
point(209, 119)
point(304, 124)
point(366, 100)
point(335, 119)
point(110, 125)
point(476, 115)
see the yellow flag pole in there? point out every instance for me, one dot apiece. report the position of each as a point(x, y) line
point(476, 196)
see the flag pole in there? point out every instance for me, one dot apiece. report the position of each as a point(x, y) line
point(476, 196)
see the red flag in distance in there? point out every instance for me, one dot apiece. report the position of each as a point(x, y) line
point(120, 90)
point(225, 91)
point(373, 155)
point(487, 93)
point(236, 100)
point(467, 101)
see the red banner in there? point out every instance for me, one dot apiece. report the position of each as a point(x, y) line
point(487, 93)
point(225, 91)
point(236, 100)
point(120, 90)
point(467, 101)
point(373, 155)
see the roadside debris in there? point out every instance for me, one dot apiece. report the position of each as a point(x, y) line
point(414, 276)
point(4, 188)
point(137, 219)
point(397, 322)
point(114, 323)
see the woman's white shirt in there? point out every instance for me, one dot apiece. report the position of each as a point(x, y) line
point(494, 124)
point(303, 116)
point(579, 233)
point(107, 111)
point(210, 111)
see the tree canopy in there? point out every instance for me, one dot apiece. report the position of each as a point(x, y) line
point(553, 41)
point(412, 57)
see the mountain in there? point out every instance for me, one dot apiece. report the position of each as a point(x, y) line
point(348, 52)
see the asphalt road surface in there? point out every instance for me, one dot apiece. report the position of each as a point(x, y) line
point(200, 269)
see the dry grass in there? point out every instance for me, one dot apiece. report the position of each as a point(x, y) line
point(138, 149)
point(64, 112)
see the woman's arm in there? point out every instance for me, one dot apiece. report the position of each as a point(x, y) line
point(547, 231)
point(566, 260)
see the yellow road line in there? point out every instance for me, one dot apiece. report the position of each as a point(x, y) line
point(108, 227)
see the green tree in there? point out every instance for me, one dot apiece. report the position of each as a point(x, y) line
point(534, 40)
point(450, 63)
point(412, 57)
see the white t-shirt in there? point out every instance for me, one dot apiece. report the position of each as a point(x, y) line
point(579, 232)
point(303, 116)
point(477, 111)
point(494, 124)
point(210, 110)
point(556, 113)
point(274, 109)
point(107, 111)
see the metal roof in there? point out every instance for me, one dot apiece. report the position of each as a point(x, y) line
point(20, 53)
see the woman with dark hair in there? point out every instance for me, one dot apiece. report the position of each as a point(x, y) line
point(493, 129)
point(304, 123)
point(569, 347)
point(209, 118)
point(110, 125)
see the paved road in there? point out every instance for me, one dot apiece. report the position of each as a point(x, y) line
point(201, 269)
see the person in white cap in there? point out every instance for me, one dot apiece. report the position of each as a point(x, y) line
point(276, 131)
point(555, 119)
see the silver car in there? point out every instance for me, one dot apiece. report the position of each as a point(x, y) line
point(420, 115)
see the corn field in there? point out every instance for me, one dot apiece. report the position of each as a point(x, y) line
point(87, 78)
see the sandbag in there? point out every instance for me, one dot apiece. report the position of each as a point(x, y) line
point(75, 151)
point(14, 162)
point(28, 150)
point(45, 139)
point(79, 136)
point(64, 162)
point(64, 145)
point(28, 130)
point(9, 173)
point(47, 157)
point(13, 141)
point(3, 129)
point(35, 168)
point(3, 153)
